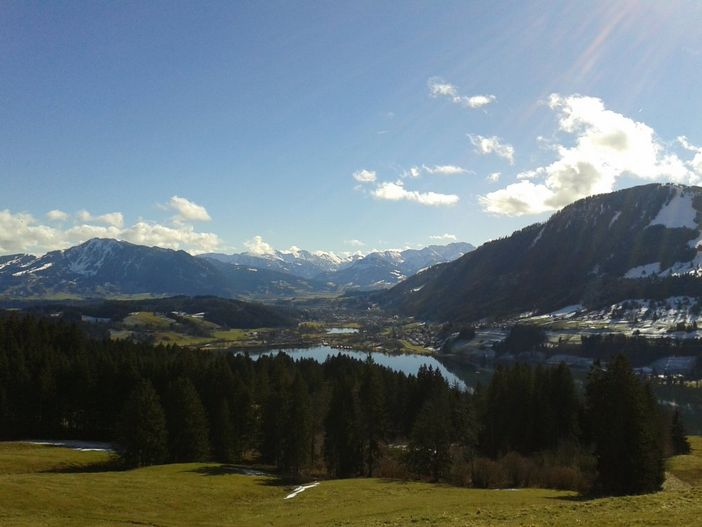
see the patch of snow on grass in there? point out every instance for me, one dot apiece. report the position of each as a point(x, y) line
point(567, 310)
point(679, 212)
point(301, 488)
point(82, 446)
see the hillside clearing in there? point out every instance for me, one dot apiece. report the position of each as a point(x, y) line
point(51, 486)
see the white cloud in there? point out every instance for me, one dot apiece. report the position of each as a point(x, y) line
point(494, 177)
point(114, 219)
point(397, 192)
point(440, 88)
point(80, 233)
point(446, 237)
point(364, 176)
point(446, 170)
point(178, 236)
point(492, 145)
point(517, 199)
point(21, 232)
point(696, 162)
point(443, 170)
point(354, 243)
point(187, 210)
point(256, 245)
point(57, 215)
point(478, 101)
point(606, 146)
point(84, 215)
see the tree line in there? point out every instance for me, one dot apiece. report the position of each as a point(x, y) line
point(340, 418)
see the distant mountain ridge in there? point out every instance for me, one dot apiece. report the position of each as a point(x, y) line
point(105, 268)
point(639, 242)
point(378, 269)
point(297, 262)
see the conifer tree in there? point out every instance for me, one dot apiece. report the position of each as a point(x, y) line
point(142, 428)
point(343, 447)
point(298, 436)
point(374, 426)
point(224, 444)
point(623, 416)
point(678, 435)
point(188, 428)
point(428, 453)
point(273, 427)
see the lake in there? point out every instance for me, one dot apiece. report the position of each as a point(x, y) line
point(406, 363)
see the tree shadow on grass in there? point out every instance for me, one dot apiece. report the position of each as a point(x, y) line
point(226, 470)
point(578, 498)
point(110, 465)
point(268, 478)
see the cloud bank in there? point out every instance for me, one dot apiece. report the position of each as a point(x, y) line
point(605, 146)
point(395, 191)
point(257, 246)
point(23, 233)
point(187, 210)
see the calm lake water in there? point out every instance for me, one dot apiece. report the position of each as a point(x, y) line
point(406, 363)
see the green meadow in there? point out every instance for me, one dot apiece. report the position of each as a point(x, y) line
point(50, 486)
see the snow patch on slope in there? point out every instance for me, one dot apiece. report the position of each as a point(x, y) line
point(35, 270)
point(678, 212)
point(537, 238)
point(14, 261)
point(641, 271)
point(91, 256)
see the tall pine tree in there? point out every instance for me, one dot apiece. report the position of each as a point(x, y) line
point(343, 446)
point(142, 428)
point(298, 437)
point(188, 428)
point(373, 414)
point(678, 435)
point(428, 451)
point(623, 417)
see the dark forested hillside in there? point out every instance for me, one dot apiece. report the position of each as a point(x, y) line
point(225, 312)
point(597, 249)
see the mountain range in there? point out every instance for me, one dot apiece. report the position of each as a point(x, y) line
point(641, 242)
point(378, 269)
point(107, 267)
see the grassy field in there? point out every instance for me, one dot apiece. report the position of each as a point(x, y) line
point(48, 486)
point(147, 319)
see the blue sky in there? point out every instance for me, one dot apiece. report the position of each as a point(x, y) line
point(202, 125)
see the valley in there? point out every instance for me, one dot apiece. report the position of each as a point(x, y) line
point(350, 263)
